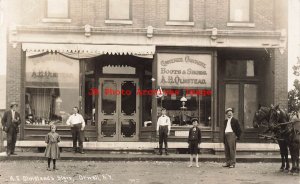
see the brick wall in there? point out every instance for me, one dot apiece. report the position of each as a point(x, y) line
point(206, 13)
point(13, 82)
point(281, 78)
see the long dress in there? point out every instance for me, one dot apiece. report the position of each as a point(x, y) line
point(52, 149)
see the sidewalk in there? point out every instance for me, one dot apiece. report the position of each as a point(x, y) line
point(140, 157)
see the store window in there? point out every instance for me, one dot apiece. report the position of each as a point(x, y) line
point(185, 81)
point(57, 8)
point(183, 107)
point(52, 88)
point(119, 9)
point(240, 10)
point(179, 10)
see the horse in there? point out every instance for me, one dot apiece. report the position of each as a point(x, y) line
point(262, 119)
point(288, 131)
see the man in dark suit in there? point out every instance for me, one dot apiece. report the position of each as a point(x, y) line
point(10, 123)
point(232, 132)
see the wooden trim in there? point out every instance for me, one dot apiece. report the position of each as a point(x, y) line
point(22, 93)
point(214, 99)
point(154, 100)
point(82, 87)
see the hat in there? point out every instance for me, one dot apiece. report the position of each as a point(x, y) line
point(228, 109)
point(195, 119)
point(13, 103)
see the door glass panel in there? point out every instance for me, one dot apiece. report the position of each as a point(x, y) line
point(128, 128)
point(250, 104)
point(128, 98)
point(232, 98)
point(108, 128)
point(109, 98)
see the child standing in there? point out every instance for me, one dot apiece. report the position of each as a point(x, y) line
point(52, 149)
point(194, 140)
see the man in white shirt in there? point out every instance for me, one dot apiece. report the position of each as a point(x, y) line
point(77, 125)
point(163, 130)
point(232, 132)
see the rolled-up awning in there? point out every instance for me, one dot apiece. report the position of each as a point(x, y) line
point(89, 50)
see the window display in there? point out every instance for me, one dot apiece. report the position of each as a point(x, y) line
point(52, 88)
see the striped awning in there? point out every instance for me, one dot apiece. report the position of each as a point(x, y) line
point(89, 49)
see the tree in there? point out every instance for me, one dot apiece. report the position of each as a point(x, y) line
point(294, 98)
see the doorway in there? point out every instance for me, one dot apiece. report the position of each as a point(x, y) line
point(118, 109)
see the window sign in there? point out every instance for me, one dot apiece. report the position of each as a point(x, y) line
point(184, 70)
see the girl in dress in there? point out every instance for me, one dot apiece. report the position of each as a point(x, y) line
point(52, 149)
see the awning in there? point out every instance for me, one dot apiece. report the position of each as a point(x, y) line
point(88, 50)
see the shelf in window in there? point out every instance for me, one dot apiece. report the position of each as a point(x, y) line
point(179, 23)
point(240, 24)
point(125, 22)
point(56, 20)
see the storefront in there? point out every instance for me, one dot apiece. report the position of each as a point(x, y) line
point(120, 93)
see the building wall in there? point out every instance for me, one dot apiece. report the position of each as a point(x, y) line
point(205, 14)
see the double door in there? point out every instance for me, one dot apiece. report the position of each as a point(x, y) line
point(243, 98)
point(118, 110)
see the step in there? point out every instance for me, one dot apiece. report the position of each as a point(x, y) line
point(218, 147)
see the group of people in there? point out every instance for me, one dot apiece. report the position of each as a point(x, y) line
point(232, 132)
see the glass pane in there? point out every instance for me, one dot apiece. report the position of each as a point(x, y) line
point(180, 10)
point(128, 98)
point(51, 91)
point(109, 98)
point(90, 93)
point(128, 128)
point(250, 68)
point(235, 68)
point(232, 98)
point(119, 9)
point(58, 8)
point(240, 10)
point(108, 128)
point(250, 104)
point(181, 113)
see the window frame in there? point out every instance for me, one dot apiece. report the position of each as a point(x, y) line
point(183, 21)
point(59, 18)
point(112, 20)
point(242, 22)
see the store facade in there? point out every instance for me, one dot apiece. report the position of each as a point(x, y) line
point(121, 69)
point(120, 95)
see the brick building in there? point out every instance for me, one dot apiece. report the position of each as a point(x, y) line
point(205, 55)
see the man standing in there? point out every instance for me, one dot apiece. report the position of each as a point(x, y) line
point(232, 132)
point(10, 123)
point(163, 129)
point(77, 125)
